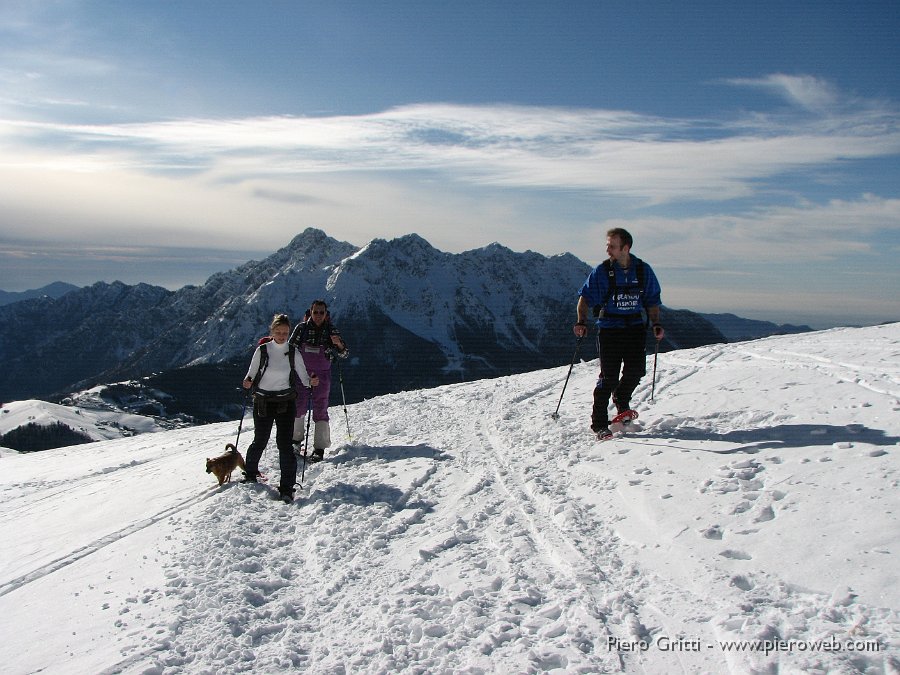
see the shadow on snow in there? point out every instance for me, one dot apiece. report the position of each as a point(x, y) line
point(367, 494)
point(782, 436)
point(355, 454)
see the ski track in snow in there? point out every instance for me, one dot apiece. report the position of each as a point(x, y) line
point(429, 631)
point(96, 545)
point(885, 382)
point(464, 530)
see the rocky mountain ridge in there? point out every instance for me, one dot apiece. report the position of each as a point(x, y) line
point(739, 329)
point(55, 290)
point(413, 316)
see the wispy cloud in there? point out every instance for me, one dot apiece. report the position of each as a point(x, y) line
point(720, 198)
point(809, 92)
point(642, 157)
point(770, 235)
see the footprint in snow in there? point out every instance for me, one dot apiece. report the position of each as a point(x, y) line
point(735, 555)
point(742, 582)
point(765, 514)
point(712, 532)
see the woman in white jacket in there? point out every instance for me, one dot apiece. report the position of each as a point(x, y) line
point(273, 370)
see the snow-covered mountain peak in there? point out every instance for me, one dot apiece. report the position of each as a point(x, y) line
point(434, 294)
point(411, 252)
point(313, 248)
point(493, 249)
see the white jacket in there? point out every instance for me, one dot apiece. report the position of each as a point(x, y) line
point(277, 375)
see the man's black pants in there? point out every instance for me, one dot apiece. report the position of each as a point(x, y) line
point(622, 351)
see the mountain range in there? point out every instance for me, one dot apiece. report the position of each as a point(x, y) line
point(413, 317)
point(739, 329)
point(55, 290)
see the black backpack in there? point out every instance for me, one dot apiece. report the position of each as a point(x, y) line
point(264, 361)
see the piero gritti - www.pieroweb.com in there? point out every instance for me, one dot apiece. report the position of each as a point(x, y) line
point(682, 644)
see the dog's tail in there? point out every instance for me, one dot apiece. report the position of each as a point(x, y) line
point(240, 460)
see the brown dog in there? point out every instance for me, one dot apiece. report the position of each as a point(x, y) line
point(223, 465)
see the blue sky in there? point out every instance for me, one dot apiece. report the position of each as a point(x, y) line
point(752, 149)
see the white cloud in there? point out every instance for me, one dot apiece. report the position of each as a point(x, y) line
point(608, 152)
point(728, 198)
point(773, 235)
point(806, 91)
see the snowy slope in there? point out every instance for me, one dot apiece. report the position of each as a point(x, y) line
point(463, 530)
point(99, 425)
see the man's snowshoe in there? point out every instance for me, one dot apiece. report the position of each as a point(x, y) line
point(604, 434)
point(625, 417)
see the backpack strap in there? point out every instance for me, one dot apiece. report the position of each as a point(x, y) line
point(263, 364)
point(642, 284)
point(298, 335)
point(600, 307)
point(611, 288)
point(611, 276)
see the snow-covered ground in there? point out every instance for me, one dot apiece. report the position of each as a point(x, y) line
point(98, 424)
point(464, 530)
point(92, 415)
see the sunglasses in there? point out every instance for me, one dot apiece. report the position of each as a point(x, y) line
point(318, 311)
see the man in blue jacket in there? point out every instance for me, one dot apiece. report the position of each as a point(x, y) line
point(615, 292)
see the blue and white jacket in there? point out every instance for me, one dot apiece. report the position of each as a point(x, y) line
point(623, 306)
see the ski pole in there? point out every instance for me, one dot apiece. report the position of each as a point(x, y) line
point(555, 414)
point(241, 423)
point(344, 399)
point(653, 384)
point(306, 439)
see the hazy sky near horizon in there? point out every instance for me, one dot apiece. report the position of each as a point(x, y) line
point(752, 149)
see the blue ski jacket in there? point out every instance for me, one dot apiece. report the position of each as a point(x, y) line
point(622, 305)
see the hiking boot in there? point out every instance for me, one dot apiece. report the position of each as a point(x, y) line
point(286, 494)
point(318, 454)
point(604, 434)
point(249, 478)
